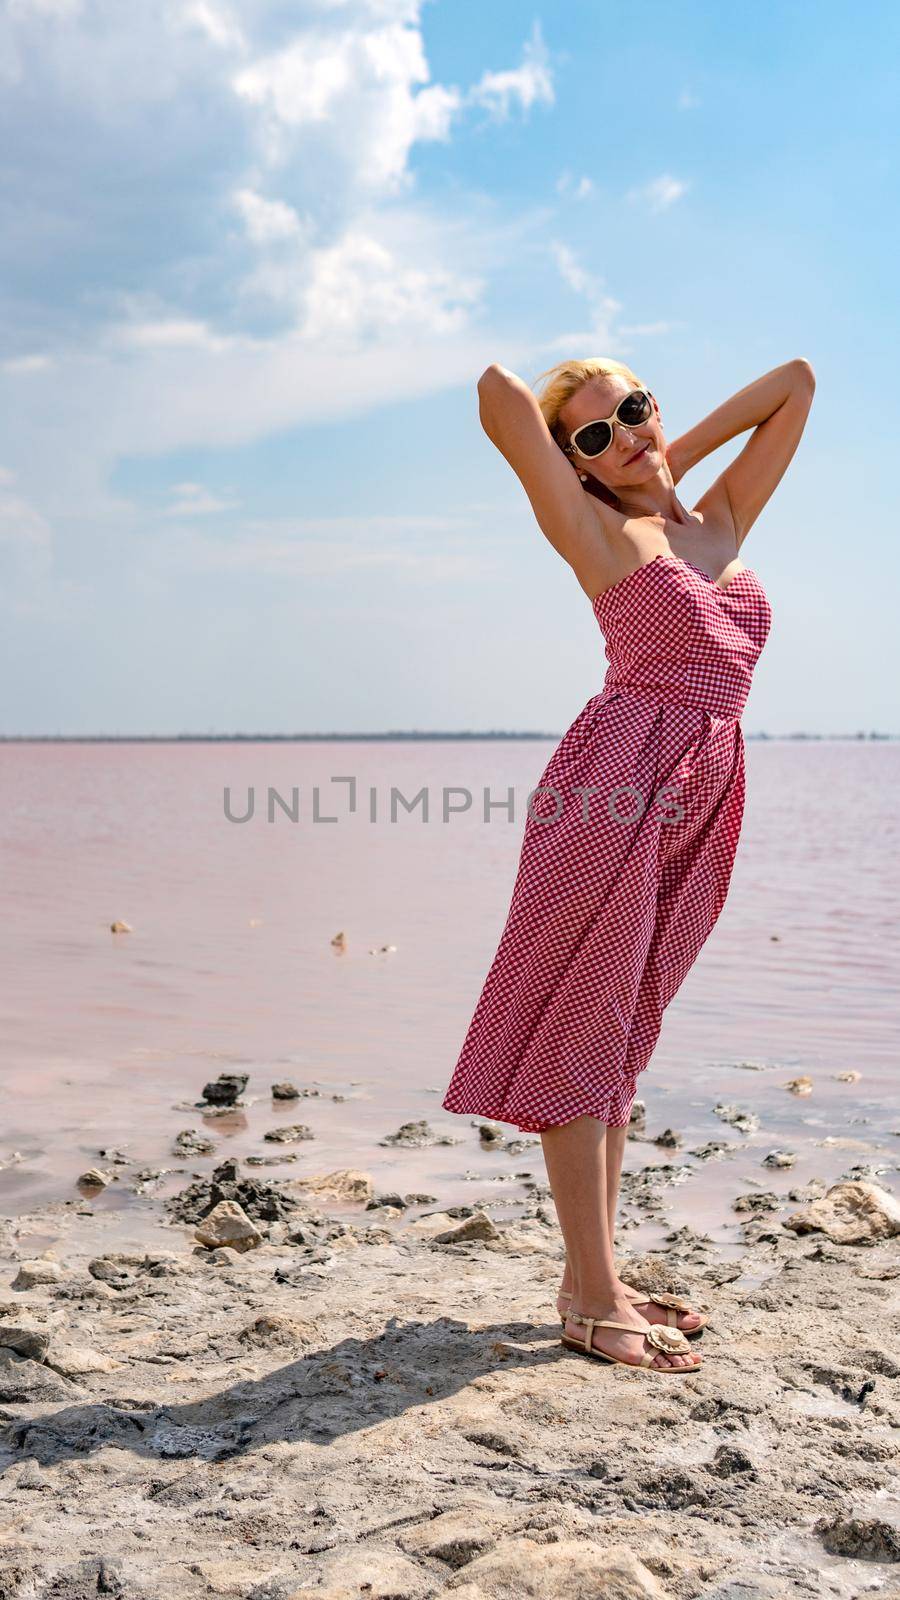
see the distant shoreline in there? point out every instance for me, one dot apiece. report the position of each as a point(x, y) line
point(392, 736)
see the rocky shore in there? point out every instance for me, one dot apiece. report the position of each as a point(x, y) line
point(318, 1391)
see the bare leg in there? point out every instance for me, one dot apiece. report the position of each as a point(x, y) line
point(650, 1309)
point(576, 1159)
point(615, 1150)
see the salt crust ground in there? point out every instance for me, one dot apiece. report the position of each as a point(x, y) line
point(385, 1416)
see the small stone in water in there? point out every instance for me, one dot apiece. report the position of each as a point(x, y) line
point(191, 1142)
point(490, 1133)
point(744, 1121)
point(94, 1178)
point(226, 1088)
point(799, 1085)
point(780, 1158)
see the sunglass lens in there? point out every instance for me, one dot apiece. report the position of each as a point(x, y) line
point(593, 439)
point(635, 408)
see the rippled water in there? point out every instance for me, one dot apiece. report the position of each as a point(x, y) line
point(230, 964)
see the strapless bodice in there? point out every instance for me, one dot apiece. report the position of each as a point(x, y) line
point(676, 636)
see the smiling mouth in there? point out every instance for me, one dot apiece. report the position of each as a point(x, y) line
point(637, 453)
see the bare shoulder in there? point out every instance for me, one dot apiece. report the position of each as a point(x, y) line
point(574, 522)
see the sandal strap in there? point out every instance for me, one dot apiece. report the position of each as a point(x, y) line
point(662, 1299)
point(672, 1302)
point(601, 1322)
point(590, 1323)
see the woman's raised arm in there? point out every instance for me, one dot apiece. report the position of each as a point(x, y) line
point(776, 406)
point(514, 422)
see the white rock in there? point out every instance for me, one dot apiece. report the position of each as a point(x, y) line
point(520, 1569)
point(228, 1224)
point(73, 1360)
point(478, 1226)
point(850, 1213)
point(33, 1273)
point(427, 1227)
point(344, 1184)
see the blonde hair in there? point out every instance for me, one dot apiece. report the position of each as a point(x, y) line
point(566, 378)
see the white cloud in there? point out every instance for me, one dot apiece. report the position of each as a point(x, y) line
point(358, 288)
point(357, 87)
point(527, 85)
point(338, 289)
point(195, 500)
point(660, 193)
point(32, 363)
point(216, 22)
point(579, 188)
point(266, 220)
point(172, 333)
point(604, 333)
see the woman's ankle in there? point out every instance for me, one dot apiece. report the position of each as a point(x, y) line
point(605, 1296)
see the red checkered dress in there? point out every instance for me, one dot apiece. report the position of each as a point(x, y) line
point(626, 856)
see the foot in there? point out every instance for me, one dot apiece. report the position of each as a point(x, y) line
point(627, 1347)
point(650, 1310)
point(654, 1312)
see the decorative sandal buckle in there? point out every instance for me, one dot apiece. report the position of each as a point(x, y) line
point(672, 1341)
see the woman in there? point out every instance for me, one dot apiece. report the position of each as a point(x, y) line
point(631, 835)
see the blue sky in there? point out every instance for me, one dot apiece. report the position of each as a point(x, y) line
point(255, 257)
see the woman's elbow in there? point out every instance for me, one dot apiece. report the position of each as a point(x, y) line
point(805, 371)
point(494, 374)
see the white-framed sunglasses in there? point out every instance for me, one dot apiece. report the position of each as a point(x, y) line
point(591, 439)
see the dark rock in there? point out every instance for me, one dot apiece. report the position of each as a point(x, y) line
point(879, 1361)
point(264, 1202)
point(669, 1139)
point(713, 1149)
point(190, 1142)
point(637, 1122)
point(729, 1460)
point(744, 1121)
point(31, 1343)
point(386, 1200)
point(673, 1488)
point(285, 1091)
point(226, 1089)
point(290, 1133)
point(23, 1382)
point(498, 1442)
point(490, 1133)
point(757, 1202)
point(415, 1135)
point(865, 1539)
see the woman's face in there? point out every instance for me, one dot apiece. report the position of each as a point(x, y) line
point(616, 468)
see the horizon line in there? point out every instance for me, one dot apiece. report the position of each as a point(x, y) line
point(392, 734)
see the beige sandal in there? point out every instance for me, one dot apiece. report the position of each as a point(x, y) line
point(671, 1341)
point(671, 1301)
